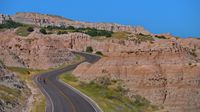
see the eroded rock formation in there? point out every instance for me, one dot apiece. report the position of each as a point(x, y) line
point(37, 51)
point(166, 72)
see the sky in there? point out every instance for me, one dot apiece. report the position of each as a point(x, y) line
point(178, 17)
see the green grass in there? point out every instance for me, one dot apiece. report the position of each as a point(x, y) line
point(13, 96)
point(8, 94)
point(120, 35)
point(23, 31)
point(26, 75)
point(109, 95)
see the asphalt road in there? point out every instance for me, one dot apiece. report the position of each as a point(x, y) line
point(62, 98)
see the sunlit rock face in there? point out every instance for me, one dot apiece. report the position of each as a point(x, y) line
point(36, 51)
point(165, 72)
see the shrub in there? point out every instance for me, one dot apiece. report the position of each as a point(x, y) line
point(10, 24)
point(99, 53)
point(30, 29)
point(70, 28)
point(94, 32)
point(43, 31)
point(103, 81)
point(62, 32)
point(161, 37)
point(89, 49)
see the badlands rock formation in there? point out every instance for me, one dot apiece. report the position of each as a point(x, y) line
point(36, 51)
point(46, 20)
point(166, 72)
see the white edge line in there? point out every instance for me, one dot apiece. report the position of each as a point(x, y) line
point(87, 98)
point(52, 105)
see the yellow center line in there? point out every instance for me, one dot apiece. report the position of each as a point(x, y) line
point(62, 93)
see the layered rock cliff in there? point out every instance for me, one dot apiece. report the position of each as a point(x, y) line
point(165, 72)
point(37, 51)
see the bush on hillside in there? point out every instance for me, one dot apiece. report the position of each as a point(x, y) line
point(99, 53)
point(89, 49)
point(43, 31)
point(30, 29)
point(10, 24)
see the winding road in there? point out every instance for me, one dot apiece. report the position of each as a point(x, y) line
point(61, 97)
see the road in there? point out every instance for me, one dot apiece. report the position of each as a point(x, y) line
point(61, 98)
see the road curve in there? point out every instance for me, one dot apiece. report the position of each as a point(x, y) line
point(62, 98)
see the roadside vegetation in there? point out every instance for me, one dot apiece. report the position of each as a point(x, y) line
point(26, 75)
point(109, 94)
point(12, 97)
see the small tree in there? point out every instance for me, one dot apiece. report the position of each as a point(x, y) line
point(30, 29)
point(43, 31)
point(89, 49)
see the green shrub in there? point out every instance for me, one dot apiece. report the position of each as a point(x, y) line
point(99, 53)
point(70, 28)
point(10, 24)
point(62, 32)
point(30, 29)
point(103, 81)
point(161, 37)
point(43, 31)
point(94, 32)
point(90, 31)
point(89, 49)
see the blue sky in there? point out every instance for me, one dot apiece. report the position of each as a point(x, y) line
point(178, 17)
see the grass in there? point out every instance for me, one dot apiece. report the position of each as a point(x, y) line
point(120, 35)
point(144, 38)
point(109, 95)
point(9, 94)
point(13, 96)
point(23, 31)
point(26, 75)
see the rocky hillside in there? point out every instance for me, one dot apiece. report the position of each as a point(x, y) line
point(162, 68)
point(36, 51)
point(50, 20)
point(11, 91)
point(164, 71)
